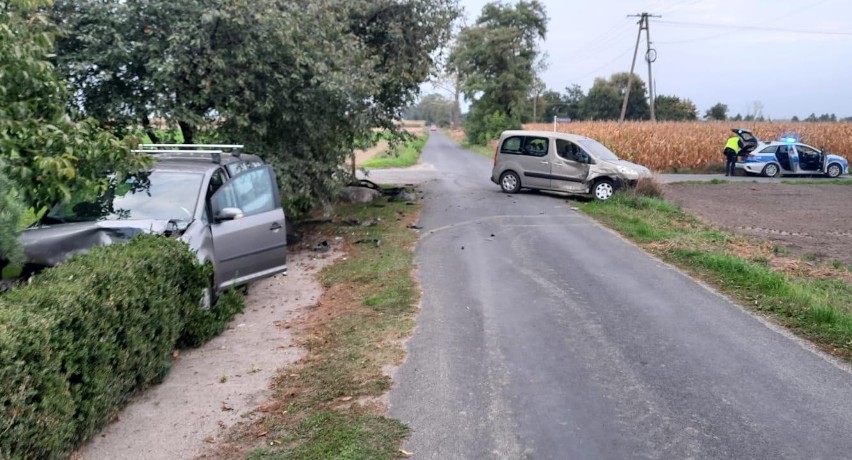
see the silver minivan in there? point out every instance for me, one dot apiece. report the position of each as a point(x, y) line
point(543, 160)
point(226, 207)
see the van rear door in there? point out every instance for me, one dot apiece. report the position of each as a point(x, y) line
point(534, 159)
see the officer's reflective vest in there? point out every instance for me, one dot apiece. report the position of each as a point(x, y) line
point(733, 144)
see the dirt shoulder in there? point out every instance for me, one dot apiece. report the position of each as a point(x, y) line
point(808, 220)
point(214, 387)
point(363, 156)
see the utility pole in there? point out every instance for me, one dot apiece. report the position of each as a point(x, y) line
point(650, 57)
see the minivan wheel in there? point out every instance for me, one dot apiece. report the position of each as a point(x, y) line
point(510, 182)
point(771, 170)
point(834, 170)
point(603, 190)
point(208, 297)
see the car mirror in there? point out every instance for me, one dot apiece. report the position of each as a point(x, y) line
point(229, 214)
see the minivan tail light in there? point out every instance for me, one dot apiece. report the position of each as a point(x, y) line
point(496, 151)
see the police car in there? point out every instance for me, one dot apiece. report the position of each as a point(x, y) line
point(789, 157)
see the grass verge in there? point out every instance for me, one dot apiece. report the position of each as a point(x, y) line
point(400, 157)
point(484, 150)
point(329, 404)
point(813, 300)
point(818, 182)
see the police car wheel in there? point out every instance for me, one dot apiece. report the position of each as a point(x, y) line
point(833, 170)
point(771, 170)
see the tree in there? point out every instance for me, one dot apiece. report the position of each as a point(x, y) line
point(573, 101)
point(606, 96)
point(11, 210)
point(299, 83)
point(496, 61)
point(717, 112)
point(434, 108)
point(47, 154)
point(675, 108)
point(794, 119)
point(552, 105)
point(603, 101)
point(638, 107)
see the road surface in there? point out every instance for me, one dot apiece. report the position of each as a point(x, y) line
point(543, 335)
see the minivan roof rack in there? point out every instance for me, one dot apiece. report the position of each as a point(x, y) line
point(214, 150)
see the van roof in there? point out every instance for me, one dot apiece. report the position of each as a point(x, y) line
point(557, 135)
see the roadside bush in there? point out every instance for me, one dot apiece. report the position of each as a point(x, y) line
point(82, 337)
point(482, 128)
point(11, 213)
point(649, 187)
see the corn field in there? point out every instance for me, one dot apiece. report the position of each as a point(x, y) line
point(697, 146)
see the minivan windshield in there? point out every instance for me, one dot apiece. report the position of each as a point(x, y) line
point(158, 195)
point(598, 150)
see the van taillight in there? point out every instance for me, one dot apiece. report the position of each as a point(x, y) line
point(496, 151)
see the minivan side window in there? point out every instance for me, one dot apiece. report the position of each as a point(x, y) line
point(512, 145)
point(251, 191)
point(536, 146)
point(570, 151)
point(770, 149)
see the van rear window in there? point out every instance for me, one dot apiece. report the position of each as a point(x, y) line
point(512, 145)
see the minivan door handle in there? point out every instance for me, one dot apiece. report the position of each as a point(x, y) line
point(275, 227)
point(543, 162)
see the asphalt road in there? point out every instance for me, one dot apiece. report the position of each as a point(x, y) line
point(543, 335)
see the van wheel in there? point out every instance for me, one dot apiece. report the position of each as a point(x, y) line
point(510, 182)
point(603, 189)
point(833, 171)
point(771, 170)
point(208, 296)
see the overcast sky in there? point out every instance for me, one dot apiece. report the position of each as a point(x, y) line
point(794, 56)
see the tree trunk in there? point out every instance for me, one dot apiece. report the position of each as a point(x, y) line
point(149, 130)
point(186, 130)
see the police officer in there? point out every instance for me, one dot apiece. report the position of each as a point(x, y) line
point(732, 149)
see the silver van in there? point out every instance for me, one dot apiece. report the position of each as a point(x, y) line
point(561, 162)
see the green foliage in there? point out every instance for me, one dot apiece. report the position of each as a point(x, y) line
point(675, 108)
point(433, 108)
point(401, 156)
point(79, 339)
point(605, 99)
point(568, 105)
point(496, 62)
point(482, 128)
point(300, 83)
point(201, 325)
point(11, 214)
point(47, 153)
point(355, 434)
point(717, 112)
point(602, 102)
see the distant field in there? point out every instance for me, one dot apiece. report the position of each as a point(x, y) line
point(697, 146)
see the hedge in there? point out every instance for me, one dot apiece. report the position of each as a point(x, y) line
point(80, 339)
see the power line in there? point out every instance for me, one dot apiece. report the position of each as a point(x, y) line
point(628, 50)
point(751, 28)
point(739, 30)
point(603, 44)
